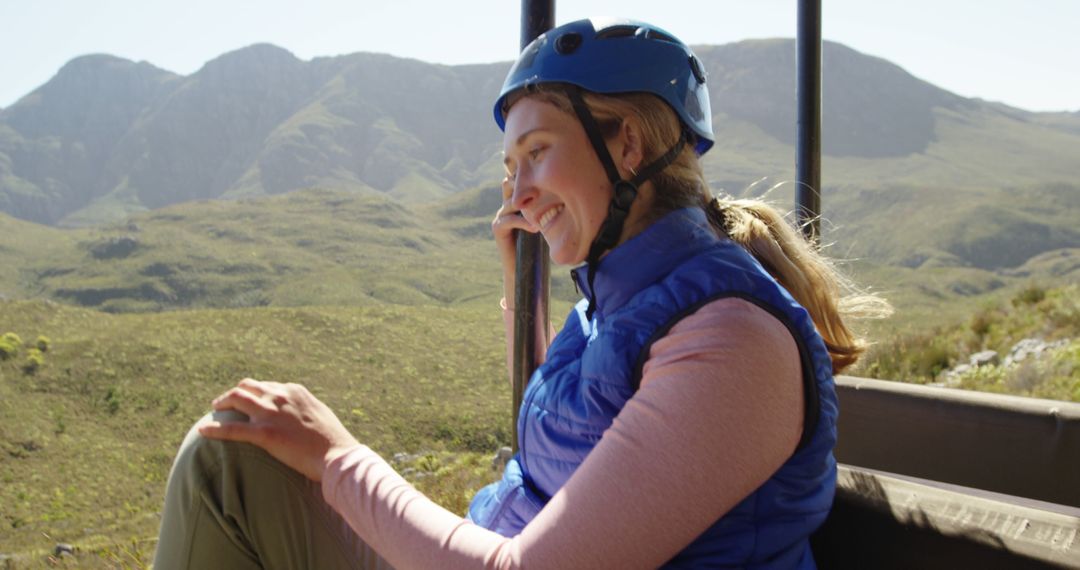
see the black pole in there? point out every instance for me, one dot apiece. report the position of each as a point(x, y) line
point(808, 145)
point(531, 288)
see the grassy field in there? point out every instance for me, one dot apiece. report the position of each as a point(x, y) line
point(88, 433)
point(88, 437)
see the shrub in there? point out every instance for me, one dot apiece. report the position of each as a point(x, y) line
point(112, 400)
point(1064, 312)
point(429, 463)
point(34, 361)
point(1030, 295)
point(1061, 378)
point(10, 344)
point(985, 379)
point(982, 321)
point(933, 359)
point(7, 349)
point(1024, 377)
point(43, 343)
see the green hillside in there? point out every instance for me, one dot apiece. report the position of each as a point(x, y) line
point(993, 228)
point(305, 248)
point(934, 254)
point(314, 247)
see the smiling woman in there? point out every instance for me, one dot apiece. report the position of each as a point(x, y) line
point(553, 180)
point(684, 417)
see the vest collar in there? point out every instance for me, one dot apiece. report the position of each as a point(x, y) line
point(645, 258)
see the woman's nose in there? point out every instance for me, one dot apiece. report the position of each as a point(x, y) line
point(524, 191)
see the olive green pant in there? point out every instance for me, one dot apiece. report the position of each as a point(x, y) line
point(232, 506)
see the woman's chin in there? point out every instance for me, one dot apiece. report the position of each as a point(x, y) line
point(560, 256)
point(568, 262)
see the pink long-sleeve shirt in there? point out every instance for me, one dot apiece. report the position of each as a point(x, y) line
point(718, 411)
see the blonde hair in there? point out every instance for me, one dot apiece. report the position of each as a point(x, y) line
point(810, 277)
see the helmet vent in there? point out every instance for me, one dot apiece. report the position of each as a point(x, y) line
point(568, 43)
point(655, 35)
point(699, 72)
point(625, 31)
point(616, 32)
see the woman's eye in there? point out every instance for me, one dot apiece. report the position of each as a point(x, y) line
point(534, 153)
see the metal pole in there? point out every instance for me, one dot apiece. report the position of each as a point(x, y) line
point(808, 145)
point(531, 288)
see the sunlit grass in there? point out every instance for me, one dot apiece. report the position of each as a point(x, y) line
point(88, 438)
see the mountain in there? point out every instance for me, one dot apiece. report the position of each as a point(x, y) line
point(871, 108)
point(881, 126)
point(914, 176)
point(106, 136)
point(57, 142)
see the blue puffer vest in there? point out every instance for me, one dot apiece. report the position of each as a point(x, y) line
point(643, 287)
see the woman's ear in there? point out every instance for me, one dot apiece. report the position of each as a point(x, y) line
point(631, 151)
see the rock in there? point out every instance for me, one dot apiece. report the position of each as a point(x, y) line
point(502, 457)
point(1032, 347)
point(63, 549)
point(1023, 349)
point(984, 358)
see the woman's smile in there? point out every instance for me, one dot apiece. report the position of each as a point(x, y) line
point(548, 217)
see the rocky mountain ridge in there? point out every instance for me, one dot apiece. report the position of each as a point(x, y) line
point(107, 137)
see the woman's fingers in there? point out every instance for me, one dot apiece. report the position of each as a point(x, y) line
point(252, 385)
point(507, 188)
point(508, 217)
point(245, 401)
point(263, 388)
point(233, 431)
point(512, 220)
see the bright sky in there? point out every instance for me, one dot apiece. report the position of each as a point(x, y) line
point(1020, 53)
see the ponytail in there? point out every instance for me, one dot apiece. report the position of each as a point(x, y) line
point(796, 264)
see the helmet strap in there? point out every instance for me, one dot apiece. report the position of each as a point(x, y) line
point(625, 190)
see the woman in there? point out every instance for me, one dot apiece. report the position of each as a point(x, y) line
point(684, 416)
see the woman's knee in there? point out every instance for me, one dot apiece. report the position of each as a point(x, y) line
point(200, 457)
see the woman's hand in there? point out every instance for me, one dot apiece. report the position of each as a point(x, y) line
point(287, 421)
point(508, 219)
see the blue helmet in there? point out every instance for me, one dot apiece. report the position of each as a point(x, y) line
point(617, 56)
